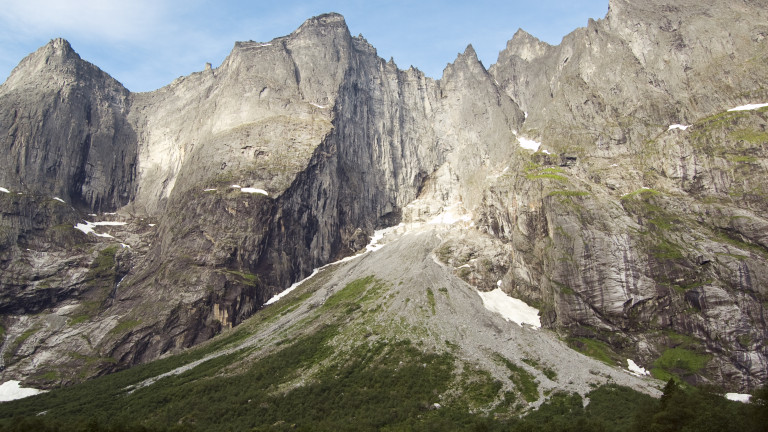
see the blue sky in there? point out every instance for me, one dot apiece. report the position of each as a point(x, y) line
point(146, 44)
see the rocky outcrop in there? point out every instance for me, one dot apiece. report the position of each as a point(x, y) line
point(64, 132)
point(619, 244)
point(610, 85)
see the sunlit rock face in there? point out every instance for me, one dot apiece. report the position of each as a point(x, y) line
point(572, 191)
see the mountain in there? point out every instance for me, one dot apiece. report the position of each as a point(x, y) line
point(604, 181)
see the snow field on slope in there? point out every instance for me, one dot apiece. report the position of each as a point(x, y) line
point(678, 126)
point(738, 397)
point(749, 107)
point(246, 190)
point(510, 308)
point(635, 369)
point(88, 227)
point(12, 390)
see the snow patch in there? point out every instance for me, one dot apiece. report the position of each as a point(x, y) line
point(292, 287)
point(151, 225)
point(88, 227)
point(58, 199)
point(253, 190)
point(11, 390)
point(125, 246)
point(678, 126)
point(738, 397)
point(498, 283)
point(319, 106)
point(749, 107)
point(209, 190)
point(528, 144)
point(510, 308)
point(2, 189)
point(635, 369)
point(236, 186)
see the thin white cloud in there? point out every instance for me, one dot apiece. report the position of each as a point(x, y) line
point(105, 20)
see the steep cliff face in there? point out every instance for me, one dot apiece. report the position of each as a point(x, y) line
point(609, 86)
point(639, 232)
point(229, 251)
point(633, 239)
point(63, 131)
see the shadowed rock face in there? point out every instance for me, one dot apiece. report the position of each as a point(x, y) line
point(621, 232)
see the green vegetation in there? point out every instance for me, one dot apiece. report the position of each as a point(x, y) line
point(11, 350)
point(78, 319)
point(431, 299)
point(565, 289)
point(644, 204)
point(534, 171)
point(523, 379)
point(568, 193)
point(735, 240)
point(377, 385)
point(548, 372)
point(743, 159)
point(684, 287)
point(611, 408)
point(595, 349)
point(124, 326)
point(665, 250)
point(643, 193)
point(548, 176)
point(103, 267)
point(479, 388)
point(384, 385)
point(444, 253)
point(678, 361)
point(350, 294)
point(88, 308)
point(660, 225)
point(751, 136)
point(245, 277)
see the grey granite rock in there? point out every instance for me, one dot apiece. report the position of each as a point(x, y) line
point(236, 181)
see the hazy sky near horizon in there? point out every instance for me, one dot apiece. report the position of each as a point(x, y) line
point(146, 44)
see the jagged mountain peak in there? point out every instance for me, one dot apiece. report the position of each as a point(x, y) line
point(58, 49)
point(57, 56)
point(61, 47)
point(466, 61)
point(524, 45)
point(57, 65)
point(469, 51)
point(328, 21)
